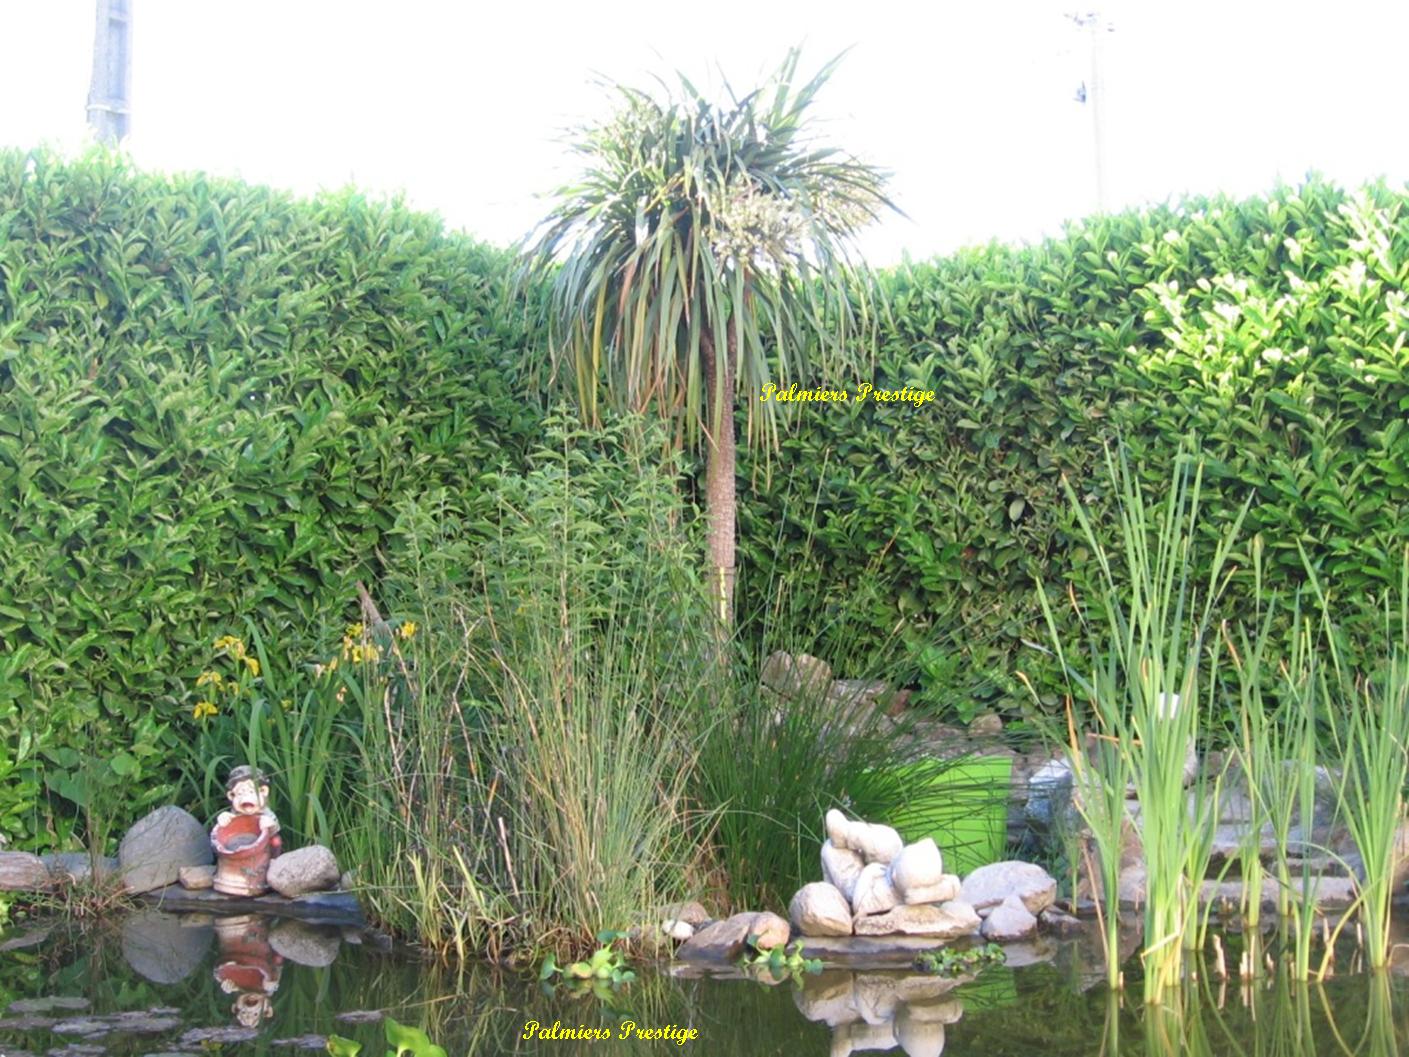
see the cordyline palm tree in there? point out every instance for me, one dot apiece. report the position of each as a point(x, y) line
point(704, 253)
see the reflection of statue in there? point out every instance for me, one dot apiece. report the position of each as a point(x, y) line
point(250, 968)
point(246, 837)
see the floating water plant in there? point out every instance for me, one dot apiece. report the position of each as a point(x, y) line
point(952, 961)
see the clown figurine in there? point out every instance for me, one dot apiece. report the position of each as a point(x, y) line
point(246, 837)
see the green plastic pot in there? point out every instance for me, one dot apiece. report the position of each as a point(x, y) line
point(963, 806)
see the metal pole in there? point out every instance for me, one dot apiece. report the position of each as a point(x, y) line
point(110, 89)
point(1096, 96)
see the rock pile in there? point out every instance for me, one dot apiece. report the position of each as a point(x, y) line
point(876, 885)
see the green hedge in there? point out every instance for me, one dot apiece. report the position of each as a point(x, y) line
point(214, 399)
point(211, 396)
point(1274, 330)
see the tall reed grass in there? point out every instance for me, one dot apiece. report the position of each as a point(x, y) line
point(1140, 684)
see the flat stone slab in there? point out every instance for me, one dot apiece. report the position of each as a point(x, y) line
point(332, 908)
point(869, 952)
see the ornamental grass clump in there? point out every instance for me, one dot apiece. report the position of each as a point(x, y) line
point(1139, 682)
point(1369, 723)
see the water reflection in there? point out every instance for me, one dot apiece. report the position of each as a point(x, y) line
point(881, 1011)
point(192, 980)
point(251, 968)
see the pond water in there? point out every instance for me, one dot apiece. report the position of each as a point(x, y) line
point(167, 984)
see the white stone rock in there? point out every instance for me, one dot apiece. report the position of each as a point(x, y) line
point(841, 867)
point(917, 872)
point(310, 869)
point(1009, 921)
point(677, 929)
point(820, 909)
point(989, 885)
point(770, 929)
point(946, 921)
point(874, 894)
point(874, 842)
point(196, 878)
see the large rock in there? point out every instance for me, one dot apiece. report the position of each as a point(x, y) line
point(719, 941)
point(724, 941)
point(23, 872)
point(796, 676)
point(841, 867)
point(310, 869)
point(872, 841)
point(946, 921)
point(691, 913)
point(874, 894)
point(989, 885)
point(917, 875)
point(1010, 920)
point(1050, 808)
point(820, 909)
point(769, 930)
point(153, 851)
point(76, 867)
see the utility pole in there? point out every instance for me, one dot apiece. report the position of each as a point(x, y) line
point(110, 90)
point(1093, 94)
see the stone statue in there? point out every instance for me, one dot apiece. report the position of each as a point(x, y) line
point(246, 837)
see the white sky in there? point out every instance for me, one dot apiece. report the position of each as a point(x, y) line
point(970, 105)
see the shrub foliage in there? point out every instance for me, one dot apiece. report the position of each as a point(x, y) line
point(1272, 330)
point(211, 397)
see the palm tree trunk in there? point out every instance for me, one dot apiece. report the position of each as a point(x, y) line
point(721, 501)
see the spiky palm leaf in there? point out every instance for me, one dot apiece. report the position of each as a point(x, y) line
point(705, 251)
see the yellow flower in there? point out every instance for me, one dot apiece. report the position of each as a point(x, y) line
point(354, 631)
point(356, 654)
point(204, 709)
point(370, 652)
point(208, 679)
point(407, 629)
point(252, 665)
point(230, 645)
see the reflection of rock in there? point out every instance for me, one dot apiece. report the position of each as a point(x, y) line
point(826, 998)
point(819, 909)
point(878, 1011)
point(920, 1036)
point(306, 944)
point(310, 869)
point(158, 947)
point(153, 851)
